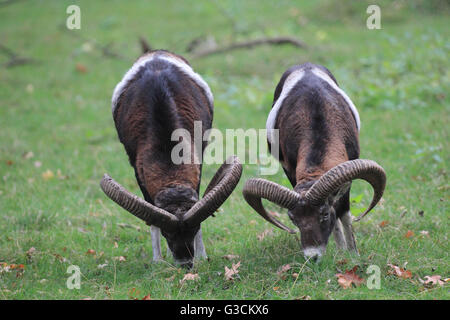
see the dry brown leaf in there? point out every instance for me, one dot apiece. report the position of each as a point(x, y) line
point(190, 277)
point(399, 272)
point(28, 155)
point(30, 252)
point(263, 234)
point(282, 271)
point(60, 175)
point(230, 273)
point(170, 278)
point(431, 281)
point(81, 68)
point(48, 174)
point(409, 234)
point(147, 297)
point(348, 278)
point(383, 224)
point(230, 256)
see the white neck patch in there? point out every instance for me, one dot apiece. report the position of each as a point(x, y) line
point(181, 65)
point(289, 83)
point(333, 84)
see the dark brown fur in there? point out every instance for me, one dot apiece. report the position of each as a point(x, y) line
point(317, 131)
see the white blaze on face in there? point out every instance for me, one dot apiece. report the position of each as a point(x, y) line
point(180, 64)
point(333, 84)
point(289, 83)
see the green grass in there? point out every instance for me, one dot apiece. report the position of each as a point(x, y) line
point(398, 77)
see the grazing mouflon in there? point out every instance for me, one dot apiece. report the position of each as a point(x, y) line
point(158, 95)
point(319, 149)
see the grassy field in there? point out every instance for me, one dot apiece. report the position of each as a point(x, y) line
point(57, 138)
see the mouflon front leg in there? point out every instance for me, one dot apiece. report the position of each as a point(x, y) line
point(156, 243)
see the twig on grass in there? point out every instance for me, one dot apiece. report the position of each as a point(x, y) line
point(14, 58)
point(250, 44)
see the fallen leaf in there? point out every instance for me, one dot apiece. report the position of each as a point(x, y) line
point(276, 288)
point(230, 273)
point(348, 278)
point(120, 258)
point(30, 252)
point(28, 155)
point(91, 252)
point(431, 281)
point(29, 88)
point(48, 174)
point(425, 233)
point(383, 224)
point(170, 278)
point(60, 175)
point(82, 230)
point(263, 234)
point(399, 272)
point(147, 297)
point(81, 68)
point(342, 262)
point(9, 162)
point(190, 277)
point(409, 234)
point(282, 271)
point(230, 256)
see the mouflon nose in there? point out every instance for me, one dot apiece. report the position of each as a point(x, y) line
point(314, 253)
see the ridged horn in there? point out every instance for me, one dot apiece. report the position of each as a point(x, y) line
point(217, 191)
point(151, 214)
point(256, 188)
point(345, 172)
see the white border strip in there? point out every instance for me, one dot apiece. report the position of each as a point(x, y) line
point(181, 65)
point(289, 83)
point(330, 81)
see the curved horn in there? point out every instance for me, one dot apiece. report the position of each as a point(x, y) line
point(255, 189)
point(367, 170)
point(151, 214)
point(218, 190)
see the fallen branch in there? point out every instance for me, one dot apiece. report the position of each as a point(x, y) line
point(105, 49)
point(14, 58)
point(250, 44)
